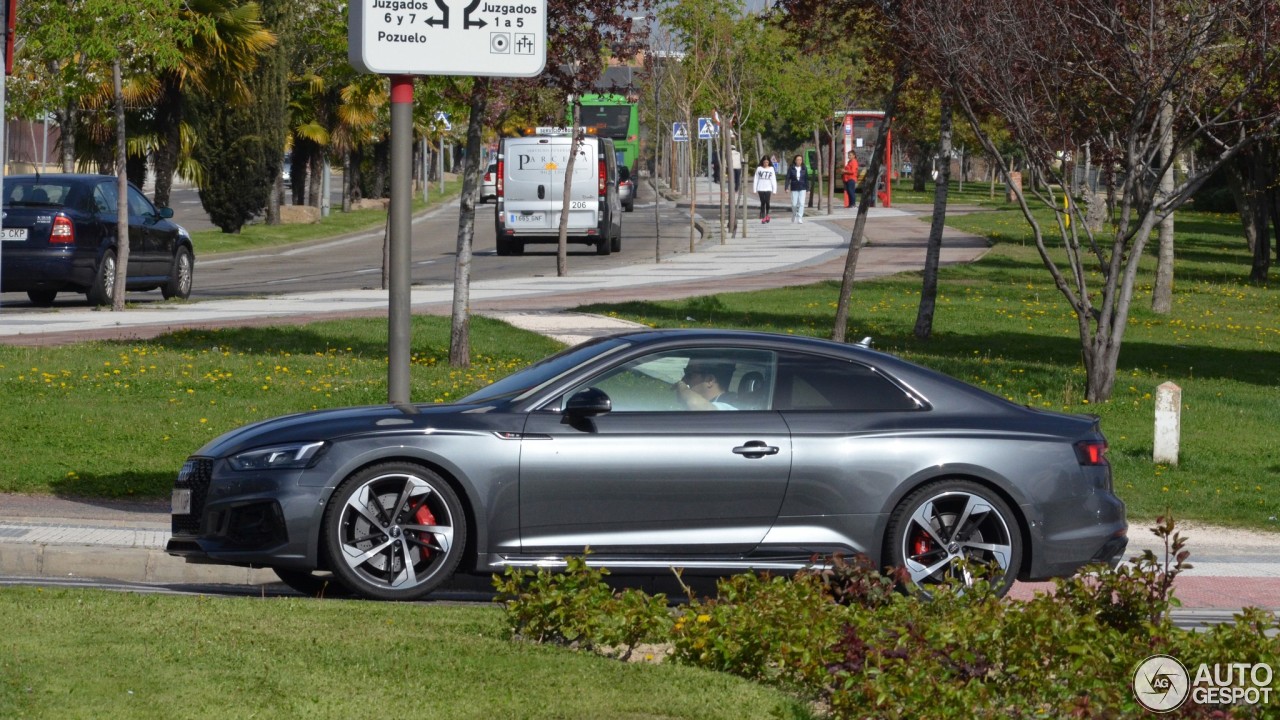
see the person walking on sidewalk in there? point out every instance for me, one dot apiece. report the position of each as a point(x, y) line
point(766, 184)
point(850, 177)
point(798, 184)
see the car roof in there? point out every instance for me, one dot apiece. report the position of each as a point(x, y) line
point(76, 178)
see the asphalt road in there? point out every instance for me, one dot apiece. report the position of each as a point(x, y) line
point(356, 262)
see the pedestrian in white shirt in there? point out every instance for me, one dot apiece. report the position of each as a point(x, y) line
point(766, 184)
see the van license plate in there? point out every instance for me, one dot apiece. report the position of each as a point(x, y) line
point(181, 501)
point(521, 219)
point(13, 234)
point(579, 205)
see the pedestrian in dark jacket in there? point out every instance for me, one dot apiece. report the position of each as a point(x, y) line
point(798, 184)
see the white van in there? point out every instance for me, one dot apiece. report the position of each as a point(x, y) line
point(531, 172)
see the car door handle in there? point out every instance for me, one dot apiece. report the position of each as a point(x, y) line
point(755, 449)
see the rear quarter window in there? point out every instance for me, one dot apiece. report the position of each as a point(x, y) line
point(821, 383)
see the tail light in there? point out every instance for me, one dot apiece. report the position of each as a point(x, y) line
point(1091, 452)
point(498, 180)
point(63, 231)
point(601, 176)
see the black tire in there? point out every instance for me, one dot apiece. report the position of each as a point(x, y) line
point(43, 298)
point(629, 207)
point(604, 246)
point(616, 244)
point(104, 280)
point(369, 538)
point(506, 245)
point(938, 524)
point(181, 275)
point(312, 583)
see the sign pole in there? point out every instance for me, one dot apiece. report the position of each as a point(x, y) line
point(398, 300)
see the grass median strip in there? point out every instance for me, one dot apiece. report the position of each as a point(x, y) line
point(98, 654)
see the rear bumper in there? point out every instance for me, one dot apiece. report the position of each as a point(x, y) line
point(1059, 549)
point(54, 269)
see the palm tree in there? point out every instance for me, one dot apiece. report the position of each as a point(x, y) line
point(223, 53)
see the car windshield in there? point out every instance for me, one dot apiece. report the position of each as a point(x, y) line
point(544, 371)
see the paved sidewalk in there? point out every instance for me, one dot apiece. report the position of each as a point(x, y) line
point(51, 537)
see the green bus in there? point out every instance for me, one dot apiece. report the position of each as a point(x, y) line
point(615, 117)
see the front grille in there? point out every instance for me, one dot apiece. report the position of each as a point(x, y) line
point(196, 474)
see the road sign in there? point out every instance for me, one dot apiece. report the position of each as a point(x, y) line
point(448, 37)
point(680, 131)
point(707, 129)
point(442, 117)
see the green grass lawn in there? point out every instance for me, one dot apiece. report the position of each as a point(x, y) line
point(214, 241)
point(94, 654)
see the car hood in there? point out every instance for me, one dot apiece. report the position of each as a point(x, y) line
point(332, 425)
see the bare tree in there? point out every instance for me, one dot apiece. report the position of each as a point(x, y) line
point(1064, 74)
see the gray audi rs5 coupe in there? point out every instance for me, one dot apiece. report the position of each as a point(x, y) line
point(712, 451)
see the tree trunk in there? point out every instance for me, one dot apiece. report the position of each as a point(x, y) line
point(122, 194)
point(315, 169)
point(864, 203)
point(67, 121)
point(168, 137)
point(346, 181)
point(933, 252)
point(1162, 291)
point(460, 328)
point(562, 241)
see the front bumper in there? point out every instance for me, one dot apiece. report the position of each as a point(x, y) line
point(258, 519)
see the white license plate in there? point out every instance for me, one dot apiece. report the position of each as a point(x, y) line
point(520, 219)
point(579, 205)
point(181, 501)
point(13, 234)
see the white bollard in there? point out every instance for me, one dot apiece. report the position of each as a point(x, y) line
point(1168, 424)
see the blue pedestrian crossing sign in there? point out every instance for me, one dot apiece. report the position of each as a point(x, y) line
point(707, 129)
point(680, 132)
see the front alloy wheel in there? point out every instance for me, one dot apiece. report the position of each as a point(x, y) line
point(394, 532)
point(949, 531)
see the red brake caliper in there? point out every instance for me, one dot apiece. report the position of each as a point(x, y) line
point(423, 516)
point(921, 544)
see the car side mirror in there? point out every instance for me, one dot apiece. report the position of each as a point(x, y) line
point(165, 212)
point(587, 403)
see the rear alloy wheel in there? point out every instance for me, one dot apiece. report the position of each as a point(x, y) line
point(104, 281)
point(43, 298)
point(180, 276)
point(952, 530)
point(394, 532)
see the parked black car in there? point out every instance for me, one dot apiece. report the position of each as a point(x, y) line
point(58, 234)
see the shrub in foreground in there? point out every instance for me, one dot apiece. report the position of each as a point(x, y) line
point(962, 654)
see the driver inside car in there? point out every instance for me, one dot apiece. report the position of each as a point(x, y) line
point(704, 385)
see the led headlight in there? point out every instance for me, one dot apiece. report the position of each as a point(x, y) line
point(278, 457)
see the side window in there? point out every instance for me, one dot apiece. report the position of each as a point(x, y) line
point(104, 198)
point(138, 204)
point(813, 382)
point(690, 380)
